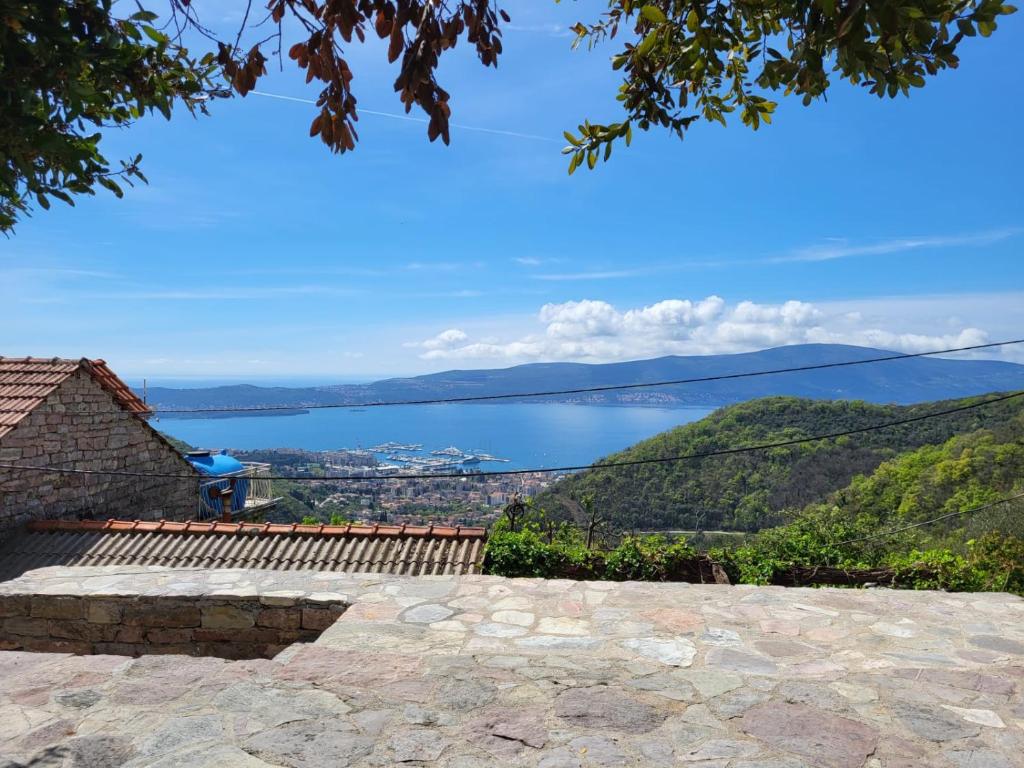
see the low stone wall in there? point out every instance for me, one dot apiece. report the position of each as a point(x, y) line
point(227, 627)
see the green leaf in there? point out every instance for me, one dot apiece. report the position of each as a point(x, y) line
point(155, 35)
point(653, 14)
point(647, 44)
point(692, 21)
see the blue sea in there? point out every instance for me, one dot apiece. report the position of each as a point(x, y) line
point(527, 434)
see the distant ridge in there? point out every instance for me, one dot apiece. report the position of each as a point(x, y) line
point(899, 381)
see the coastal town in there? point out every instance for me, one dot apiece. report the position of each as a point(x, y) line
point(372, 485)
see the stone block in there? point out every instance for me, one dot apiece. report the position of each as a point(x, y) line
point(170, 636)
point(23, 625)
point(279, 618)
point(82, 630)
point(129, 634)
point(14, 605)
point(204, 635)
point(252, 635)
point(56, 607)
point(162, 615)
point(227, 617)
point(319, 618)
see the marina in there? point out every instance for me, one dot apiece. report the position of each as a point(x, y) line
point(450, 459)
point(550, 434)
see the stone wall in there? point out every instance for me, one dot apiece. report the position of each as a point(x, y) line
point(227, 627)
point(81, 426)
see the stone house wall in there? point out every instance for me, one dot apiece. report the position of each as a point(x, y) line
point(81, 425)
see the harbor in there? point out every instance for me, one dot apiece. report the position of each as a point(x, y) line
point(399, 456)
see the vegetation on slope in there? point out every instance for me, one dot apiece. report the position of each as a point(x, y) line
point(750, 491)
point(910, 523)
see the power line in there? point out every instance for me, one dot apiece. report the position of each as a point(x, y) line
point(584, 390)
point(514, 472)
point(412, 119)
point(975, 510)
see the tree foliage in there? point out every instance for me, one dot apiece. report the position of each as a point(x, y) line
point(71, 68)
point(68, 70)
point(689, 60)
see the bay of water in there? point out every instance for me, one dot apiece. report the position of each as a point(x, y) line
point(528, 434)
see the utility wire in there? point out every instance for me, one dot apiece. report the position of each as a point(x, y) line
point(975, 510)
point(412, 119)
point(581, 390)
point(513, 472)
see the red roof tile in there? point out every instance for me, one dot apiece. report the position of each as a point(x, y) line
point(25, 382)
point(272, 529)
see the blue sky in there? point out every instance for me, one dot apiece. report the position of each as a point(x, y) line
point(256, 253)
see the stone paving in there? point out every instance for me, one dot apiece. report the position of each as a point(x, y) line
point(474, 671)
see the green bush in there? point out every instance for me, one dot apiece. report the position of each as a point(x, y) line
point(999, 562)
point(335, 519)
point(518, 553)
point(934, 569)
point(528, 553)
point(648, 558)
point(991, 563)
point(813, 538)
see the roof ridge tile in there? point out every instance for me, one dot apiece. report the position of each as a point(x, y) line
point(262, 529)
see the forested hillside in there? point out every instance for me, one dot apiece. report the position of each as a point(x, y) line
point(754, 490)
point(966, 472)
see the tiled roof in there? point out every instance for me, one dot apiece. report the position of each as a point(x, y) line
point(25, 382)
point(393, 549)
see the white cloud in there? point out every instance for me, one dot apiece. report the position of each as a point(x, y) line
point(596, 331)
point(451, 339)
point(549, 30)
point(841, 249)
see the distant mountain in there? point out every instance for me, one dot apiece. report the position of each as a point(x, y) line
point(900, 381)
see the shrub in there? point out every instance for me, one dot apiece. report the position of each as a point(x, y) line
point(517, 553)
point(999, 562)
point(648, 558)
point(992, 563)
point(934, 569)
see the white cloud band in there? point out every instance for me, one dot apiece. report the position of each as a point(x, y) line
point(597, 331)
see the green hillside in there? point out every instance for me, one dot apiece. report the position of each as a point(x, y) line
point(754, 490)
point(966, 472)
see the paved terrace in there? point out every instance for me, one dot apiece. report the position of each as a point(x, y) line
point(481, 671)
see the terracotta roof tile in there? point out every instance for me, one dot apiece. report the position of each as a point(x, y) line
point(403, 550)
point(25, 382)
